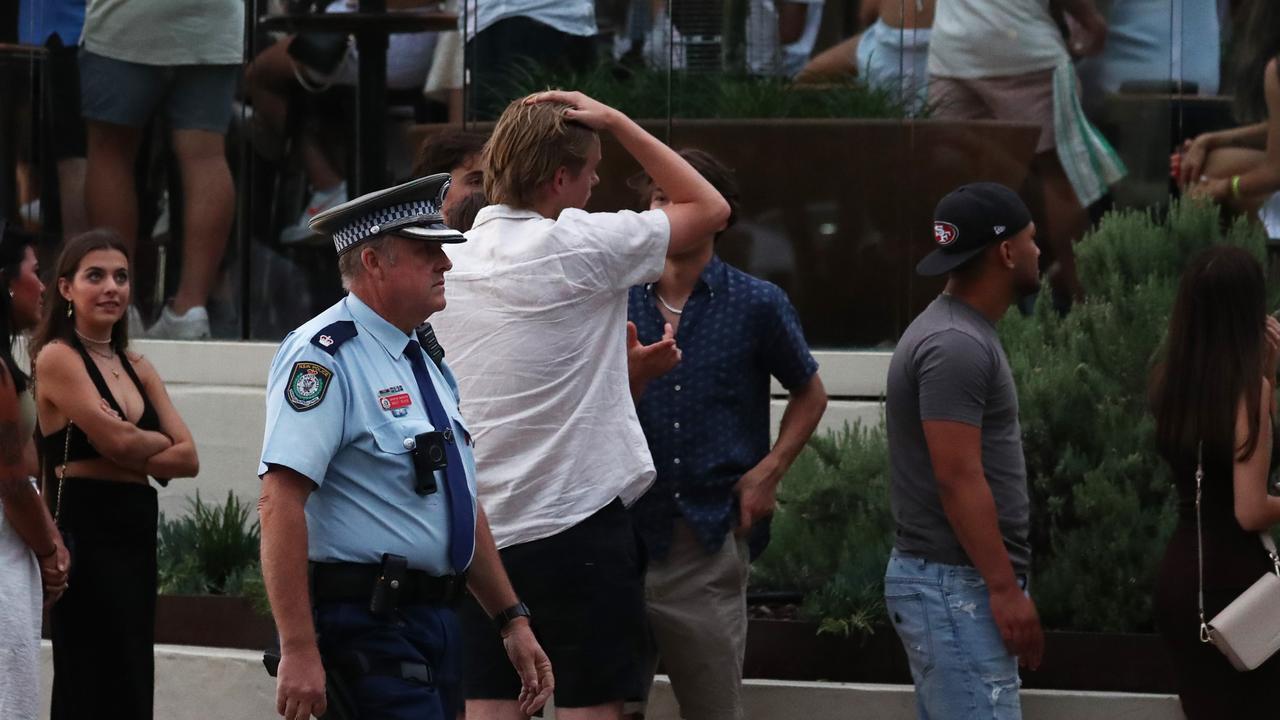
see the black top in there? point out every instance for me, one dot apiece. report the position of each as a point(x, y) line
point(1218, 502)
point(57, 449)
point(1233, 557)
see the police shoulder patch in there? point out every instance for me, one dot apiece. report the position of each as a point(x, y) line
point(308, 384)
point(332, 336)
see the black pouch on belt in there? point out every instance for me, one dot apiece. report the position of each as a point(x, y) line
point(386, 590)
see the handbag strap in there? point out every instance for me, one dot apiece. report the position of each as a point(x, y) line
point(1264, 536)
point(1204, 626)
point(62, 472)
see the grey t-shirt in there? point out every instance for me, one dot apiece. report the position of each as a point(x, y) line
point(949, 365)
point(166, 32)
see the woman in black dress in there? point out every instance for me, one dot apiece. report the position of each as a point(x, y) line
point(1215, 387)
point(106, 424)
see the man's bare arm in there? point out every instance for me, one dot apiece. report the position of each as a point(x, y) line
point(955, 450)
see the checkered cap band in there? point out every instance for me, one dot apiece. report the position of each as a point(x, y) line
point(376, 222)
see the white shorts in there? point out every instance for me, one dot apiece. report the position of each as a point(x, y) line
point(895, 58)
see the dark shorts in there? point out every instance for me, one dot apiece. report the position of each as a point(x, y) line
point(497, 56)
point(194, 97)
point(585, 590)
point(414, 634)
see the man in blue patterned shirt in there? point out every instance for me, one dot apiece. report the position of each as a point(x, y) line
point(707, 424)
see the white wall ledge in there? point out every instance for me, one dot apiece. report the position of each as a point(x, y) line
point(199, 683)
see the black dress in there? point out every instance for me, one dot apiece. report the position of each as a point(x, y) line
point(103, 627)
point(1210, 689)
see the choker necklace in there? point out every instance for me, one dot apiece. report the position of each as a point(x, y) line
point(86, 338)
point(667, 305)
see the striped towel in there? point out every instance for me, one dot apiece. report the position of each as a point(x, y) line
point(1089, 160)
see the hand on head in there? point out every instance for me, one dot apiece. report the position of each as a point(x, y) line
point(592, 113)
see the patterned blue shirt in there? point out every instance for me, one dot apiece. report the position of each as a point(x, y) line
point(707, 421)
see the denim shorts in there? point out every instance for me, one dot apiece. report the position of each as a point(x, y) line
point(959, 663)
point(194, 97)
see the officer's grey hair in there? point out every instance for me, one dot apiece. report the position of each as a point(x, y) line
point(349, 265)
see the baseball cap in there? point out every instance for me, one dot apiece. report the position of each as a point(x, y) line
point(968, 220)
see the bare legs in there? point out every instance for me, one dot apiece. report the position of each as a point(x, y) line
point(110, 198)
point(208, 210)
point(1067, 222)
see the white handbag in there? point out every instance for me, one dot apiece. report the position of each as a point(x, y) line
point(1248, 630)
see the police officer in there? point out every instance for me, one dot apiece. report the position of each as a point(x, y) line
point(370, 526)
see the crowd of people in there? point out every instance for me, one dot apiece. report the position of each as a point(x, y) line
point(592, 510)
point(1065, 60)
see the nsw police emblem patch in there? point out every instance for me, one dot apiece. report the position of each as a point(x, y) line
point(308, 383)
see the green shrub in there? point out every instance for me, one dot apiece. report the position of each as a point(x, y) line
point(833, 533)
point(646, 93)
point(213, 549)
point(1102, 500)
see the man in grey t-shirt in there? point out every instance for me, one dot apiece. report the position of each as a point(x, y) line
point(955, 585)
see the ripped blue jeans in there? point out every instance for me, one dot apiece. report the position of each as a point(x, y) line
point(942, 614)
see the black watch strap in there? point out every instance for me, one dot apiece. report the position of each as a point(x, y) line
point(504, 617)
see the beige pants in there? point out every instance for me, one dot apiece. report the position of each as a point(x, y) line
point(1017, 98)
point(697, 610)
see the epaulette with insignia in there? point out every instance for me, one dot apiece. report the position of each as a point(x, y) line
point(427, 339)
point(332, 337)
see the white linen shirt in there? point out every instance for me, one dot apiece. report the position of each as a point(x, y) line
point(535, 331)
point(994, 38)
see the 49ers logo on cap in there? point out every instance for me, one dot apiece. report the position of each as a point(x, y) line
point(944, 233)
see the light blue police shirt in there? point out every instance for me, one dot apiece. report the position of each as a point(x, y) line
point(339, 412)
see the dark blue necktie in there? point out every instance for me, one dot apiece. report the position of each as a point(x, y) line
point(462, 532)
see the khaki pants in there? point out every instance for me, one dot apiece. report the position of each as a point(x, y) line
point(697, 609)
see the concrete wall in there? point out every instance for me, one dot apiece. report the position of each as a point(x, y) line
point(220, 387)
point(200, 683)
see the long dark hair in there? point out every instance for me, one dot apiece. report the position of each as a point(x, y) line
point(1214, 358)
point(54, 324)
point(1257, 41)
point(13, 250)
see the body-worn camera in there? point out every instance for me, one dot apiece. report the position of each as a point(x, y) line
point(428, 456)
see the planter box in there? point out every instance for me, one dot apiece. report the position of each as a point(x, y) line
point(836, 212)
point(776, 649)
point(212, 621)
point(789, 650)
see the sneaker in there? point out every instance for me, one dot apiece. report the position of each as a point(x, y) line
point(161, 228)
point(320, 201)
point(30, 213)
point(137, 328)
point(192, 325)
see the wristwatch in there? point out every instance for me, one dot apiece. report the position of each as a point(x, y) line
point(503, 618)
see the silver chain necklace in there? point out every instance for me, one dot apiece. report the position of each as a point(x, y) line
point(667, 305)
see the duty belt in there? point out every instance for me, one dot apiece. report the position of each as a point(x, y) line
point(353, 582)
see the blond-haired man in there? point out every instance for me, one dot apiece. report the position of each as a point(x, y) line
point(537, 336)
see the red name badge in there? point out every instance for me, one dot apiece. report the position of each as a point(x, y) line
point(395, 402)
